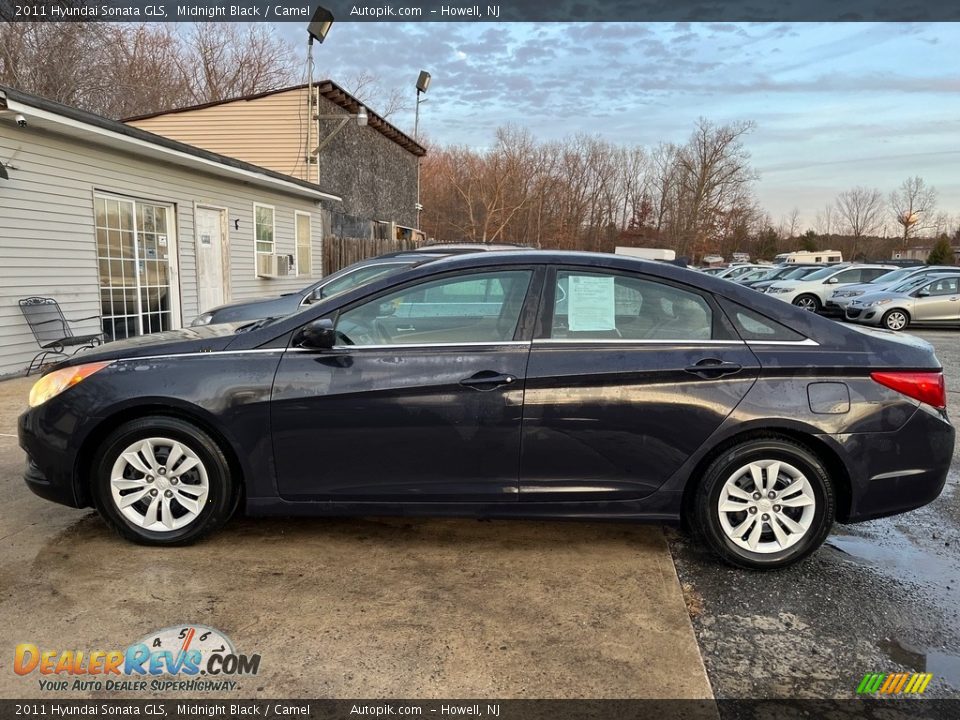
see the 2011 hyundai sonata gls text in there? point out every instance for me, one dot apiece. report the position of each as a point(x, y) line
point(522, 384)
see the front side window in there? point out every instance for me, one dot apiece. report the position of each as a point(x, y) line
point(944, 286)
point(264, 228)
point(614, 307)
point(479, 307)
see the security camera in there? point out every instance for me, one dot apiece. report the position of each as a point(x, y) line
point(21, 121)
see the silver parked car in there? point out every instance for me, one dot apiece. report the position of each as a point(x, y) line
point(920, 301)
point(840, 298)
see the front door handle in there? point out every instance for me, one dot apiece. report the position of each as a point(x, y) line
point(709, 368)
point(488, 380)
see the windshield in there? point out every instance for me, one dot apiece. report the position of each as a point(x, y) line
point(912, 283)
point(358, 277)
point(892, 276)
point(820, 274)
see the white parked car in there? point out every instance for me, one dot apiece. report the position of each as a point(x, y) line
point(812, 291)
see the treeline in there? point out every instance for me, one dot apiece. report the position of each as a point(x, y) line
point(696, 198)
point(121, 70)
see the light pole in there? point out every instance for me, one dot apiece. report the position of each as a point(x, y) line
point(318, 28)
point(423, 82)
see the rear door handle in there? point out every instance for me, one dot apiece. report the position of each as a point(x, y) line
point(488, 380)
point(713, 368)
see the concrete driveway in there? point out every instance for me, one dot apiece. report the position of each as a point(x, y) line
point(357, 608)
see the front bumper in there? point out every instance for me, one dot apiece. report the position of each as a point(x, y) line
point(49, 466)
point(866, 315)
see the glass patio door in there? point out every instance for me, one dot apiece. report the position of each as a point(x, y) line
point(133, 255)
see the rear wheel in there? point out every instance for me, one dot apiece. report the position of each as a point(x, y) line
point(162, 481)
point(808, 302)
point(765, 504)
point(895, 319)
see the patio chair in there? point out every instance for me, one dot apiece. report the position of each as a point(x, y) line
point(52, 331)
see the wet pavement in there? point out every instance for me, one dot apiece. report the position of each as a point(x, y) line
point(881, 596)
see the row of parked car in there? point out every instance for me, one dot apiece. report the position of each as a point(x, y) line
point(874, 294)
point(885, 296)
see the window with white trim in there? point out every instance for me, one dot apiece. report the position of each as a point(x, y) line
point(304, 232)
point(264, 228)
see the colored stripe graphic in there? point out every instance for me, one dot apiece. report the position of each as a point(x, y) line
point(894, 683)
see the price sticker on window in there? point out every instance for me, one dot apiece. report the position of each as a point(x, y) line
point(591, 303)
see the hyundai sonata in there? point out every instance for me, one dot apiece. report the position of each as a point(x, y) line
point(520, 384)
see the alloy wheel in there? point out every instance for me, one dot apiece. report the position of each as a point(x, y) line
point(766, 506)
point(807, 303)
point(895, 320)
point(159, 484)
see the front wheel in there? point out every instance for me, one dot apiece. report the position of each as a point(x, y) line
point(162, 481)
point(765, 504)
point(811, 303)
point(895, 319)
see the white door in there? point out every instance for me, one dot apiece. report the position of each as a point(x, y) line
point(211, 241)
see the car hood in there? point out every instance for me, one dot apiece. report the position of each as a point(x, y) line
point(865, 287)
point(246, 303)
point(204, 338)
point(880, 295)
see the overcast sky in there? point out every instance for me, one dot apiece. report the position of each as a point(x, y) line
point(835, 105)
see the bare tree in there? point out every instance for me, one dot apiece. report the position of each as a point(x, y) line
point(714, 172)
point(122, 69)
point(385, 101)
point(913, 205)
point(225, 60)
point(860, 210)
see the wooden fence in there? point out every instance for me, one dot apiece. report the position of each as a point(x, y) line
point(338, 252)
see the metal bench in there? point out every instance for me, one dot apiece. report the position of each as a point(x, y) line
point(52, 331)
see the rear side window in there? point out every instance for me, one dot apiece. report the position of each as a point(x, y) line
point(614, 307)
point(754, 326)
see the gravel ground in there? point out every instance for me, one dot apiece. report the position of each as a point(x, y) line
point(881, 596)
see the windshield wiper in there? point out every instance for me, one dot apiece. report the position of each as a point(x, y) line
point(255, 325)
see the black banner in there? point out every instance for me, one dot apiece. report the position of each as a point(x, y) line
point(480, 11)
point(870, 708)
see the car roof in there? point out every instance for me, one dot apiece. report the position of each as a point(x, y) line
point(469, 247)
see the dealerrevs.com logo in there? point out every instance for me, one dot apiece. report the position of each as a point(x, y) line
point(184, 657)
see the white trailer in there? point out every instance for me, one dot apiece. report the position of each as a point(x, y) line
point(818, 256)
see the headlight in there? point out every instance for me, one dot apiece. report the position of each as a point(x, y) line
point(51, 385)
point(202, 319)
point(779, 290)
point(880, 302)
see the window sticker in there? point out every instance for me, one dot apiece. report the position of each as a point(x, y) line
point(590, 303)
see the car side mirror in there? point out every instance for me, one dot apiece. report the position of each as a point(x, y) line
point(318, 335)
point(923, 293)
point(833, 281)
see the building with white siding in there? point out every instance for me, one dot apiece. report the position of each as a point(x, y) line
point(139, 229)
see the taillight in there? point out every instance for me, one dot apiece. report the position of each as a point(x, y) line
point(927, 387)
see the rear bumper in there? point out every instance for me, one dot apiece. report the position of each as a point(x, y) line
point(894, 472)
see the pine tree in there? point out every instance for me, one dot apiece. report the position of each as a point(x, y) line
point(942, 253)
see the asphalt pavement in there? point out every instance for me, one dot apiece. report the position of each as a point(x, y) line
point(881, 596)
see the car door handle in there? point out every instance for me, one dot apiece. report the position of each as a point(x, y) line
point(713, 368)
point(488, 380)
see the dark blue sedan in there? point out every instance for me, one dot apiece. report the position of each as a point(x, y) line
point(515, 384)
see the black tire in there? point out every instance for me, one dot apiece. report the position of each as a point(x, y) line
point(889, 315)
point(706, 514)
point(808, 302)
point(222, 494)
